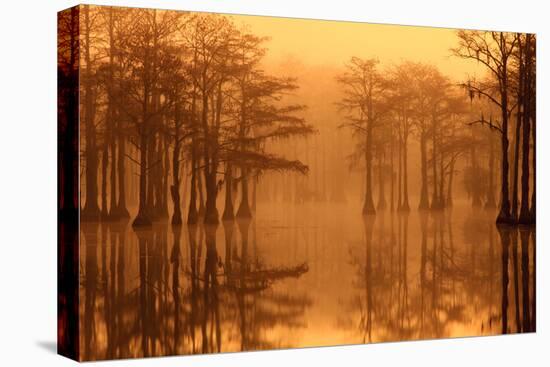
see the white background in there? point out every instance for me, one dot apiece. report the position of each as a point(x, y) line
point(28, 181)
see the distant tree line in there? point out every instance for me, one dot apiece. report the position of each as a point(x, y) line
point(385, 108)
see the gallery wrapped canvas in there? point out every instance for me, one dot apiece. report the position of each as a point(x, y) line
point(237, 183)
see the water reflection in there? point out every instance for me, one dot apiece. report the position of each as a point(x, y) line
point(302, 277)
point(157, 292)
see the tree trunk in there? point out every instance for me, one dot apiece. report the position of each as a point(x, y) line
point(122, 211)
point(399, 170)
point(435, 196)
point(449, 201)
point(525, 213)
point(424, 204)
point(405, 205)
point(91, 209)
point(491, 202)
point(142, 219)
point(534, 281)
point(476, 199)
point(254, 193)
point(381, 194)
point(110, 122)
point(211, 160)
point(520, 103)
point(175, 188)
point(504, 216)
point(514, 209)
point(104, 166)
point(193, 215)
point(244, 208)
point(113, 204)
point(158, 170)
point(211, 212)
point(442, 181)
point(151, 177)
point(229, 211)
point(534, 191)
point(368, 207)
point(392, 174)
point(166, 175)
point(200, 190)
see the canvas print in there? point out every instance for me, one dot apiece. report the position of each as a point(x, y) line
point(240, 183)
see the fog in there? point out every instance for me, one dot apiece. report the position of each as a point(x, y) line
point(256, 183)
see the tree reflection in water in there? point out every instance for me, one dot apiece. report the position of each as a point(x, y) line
point(303, 279)
point(144, 296)
point(445, 289)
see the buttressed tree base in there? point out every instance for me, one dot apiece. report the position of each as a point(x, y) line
point(237, 183)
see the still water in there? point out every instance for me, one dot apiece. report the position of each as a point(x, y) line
point(300, 276)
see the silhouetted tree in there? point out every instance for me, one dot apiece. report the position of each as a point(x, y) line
point(261, 117)
point(364, 104)
point(494, 51)
point(151, 63)
point(91, 209)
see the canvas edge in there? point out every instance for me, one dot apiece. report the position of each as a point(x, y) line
point(68, 333)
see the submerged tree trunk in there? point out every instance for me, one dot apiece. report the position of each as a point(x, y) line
point(514, 242)
point(524, 234)
point(504, 234)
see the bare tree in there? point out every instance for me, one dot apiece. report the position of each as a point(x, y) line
point(494, 51)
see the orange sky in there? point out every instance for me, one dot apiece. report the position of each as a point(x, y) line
point(332, 42)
